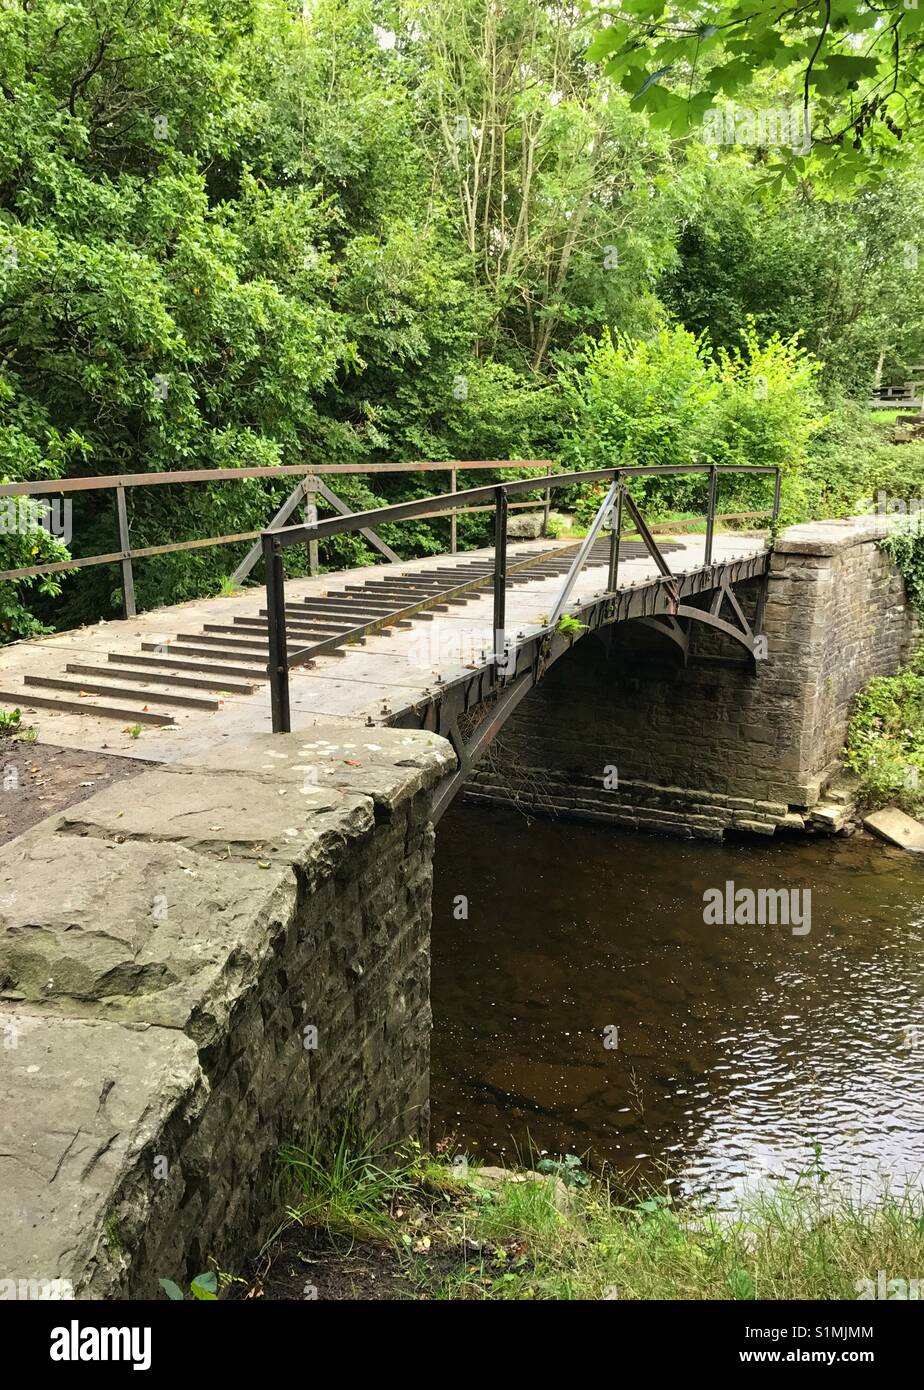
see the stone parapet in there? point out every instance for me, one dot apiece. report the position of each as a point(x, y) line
point(196, 967)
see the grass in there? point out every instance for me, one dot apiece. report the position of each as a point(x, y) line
point(459, 1234)
point(12, 726)
point(347, 1184)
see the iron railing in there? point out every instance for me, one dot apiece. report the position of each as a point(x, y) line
point(616, 504)
point(306, 493)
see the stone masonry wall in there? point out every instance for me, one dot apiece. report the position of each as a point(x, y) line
point(707, 748)
point(166, 948)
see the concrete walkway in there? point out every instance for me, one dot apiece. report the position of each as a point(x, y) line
point(203, 707)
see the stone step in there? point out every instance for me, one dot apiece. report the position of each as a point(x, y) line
point(166, 662)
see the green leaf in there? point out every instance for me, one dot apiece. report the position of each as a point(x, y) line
point(605, 43)
point(171, 1290)
point(741, 1284)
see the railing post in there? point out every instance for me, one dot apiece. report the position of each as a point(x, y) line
point(278, 665)
point(615, 535)
point(453, 537)
point(500, 571)
point(548, 504)
point(125, 545)
point(311, 519)
point(710, 513)
point(776, 495)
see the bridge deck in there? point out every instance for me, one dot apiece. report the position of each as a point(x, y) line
point(189, 695)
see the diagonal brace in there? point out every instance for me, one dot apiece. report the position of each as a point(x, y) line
point(580, 558)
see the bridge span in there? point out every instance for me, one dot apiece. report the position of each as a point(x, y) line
point(179, 681)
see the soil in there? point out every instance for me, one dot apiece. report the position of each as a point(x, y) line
point(312, 1261)
point(309, 1262)
point(37, 779)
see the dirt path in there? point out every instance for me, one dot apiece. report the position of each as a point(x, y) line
point(37, 779)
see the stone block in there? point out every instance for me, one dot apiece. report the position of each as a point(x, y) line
point(899, 829)
point(87, 1107)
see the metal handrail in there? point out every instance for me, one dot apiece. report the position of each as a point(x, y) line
point(121, 483)
point(618, 499)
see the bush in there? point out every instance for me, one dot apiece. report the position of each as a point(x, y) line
point(885, 740)
point(640, 402)
point(765, 412)
point(853, 459)
point(665, 400)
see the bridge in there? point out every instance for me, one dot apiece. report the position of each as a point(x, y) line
point(204, 967)
point(450, 643)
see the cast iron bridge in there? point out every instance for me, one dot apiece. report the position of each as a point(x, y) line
point(451, 643)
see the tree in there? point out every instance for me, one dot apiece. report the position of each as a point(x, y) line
point(850, 73)
point(845, 275)
point(562, 196)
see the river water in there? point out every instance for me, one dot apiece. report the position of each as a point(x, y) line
point(737, 1048)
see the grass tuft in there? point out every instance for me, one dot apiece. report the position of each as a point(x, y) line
point(466, 1234)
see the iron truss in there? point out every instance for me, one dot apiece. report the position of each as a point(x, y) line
point(505, 679)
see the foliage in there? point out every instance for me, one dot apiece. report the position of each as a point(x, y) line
point(765, 412)
point(905, 544)
point(342, 1179)
point(668, 400)
point(845, 275)
point(534, 153)
point(639, 401)
point(569, 1169)
point(852, 461)
point(25, 543)
point(849, 74)
point(204, 1287)
point(885, 738)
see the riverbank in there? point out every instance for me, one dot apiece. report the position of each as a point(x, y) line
point(434, 1230)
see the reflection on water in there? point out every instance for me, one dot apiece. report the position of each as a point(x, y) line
point(738, 1046)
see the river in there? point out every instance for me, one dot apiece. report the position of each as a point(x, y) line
point(582, 1004)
